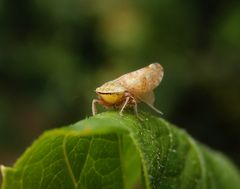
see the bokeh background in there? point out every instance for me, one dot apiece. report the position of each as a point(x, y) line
point(53, 54)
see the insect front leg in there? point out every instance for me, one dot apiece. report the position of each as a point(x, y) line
point(94, 108)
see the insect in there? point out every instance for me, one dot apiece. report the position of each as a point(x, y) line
point(130, 89)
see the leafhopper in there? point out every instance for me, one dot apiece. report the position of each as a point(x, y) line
point(130, 89)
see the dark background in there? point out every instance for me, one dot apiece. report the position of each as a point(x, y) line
point(53, 54)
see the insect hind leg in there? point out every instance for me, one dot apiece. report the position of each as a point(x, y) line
point(154, 108)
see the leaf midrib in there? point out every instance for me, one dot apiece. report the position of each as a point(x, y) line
point(69, 168)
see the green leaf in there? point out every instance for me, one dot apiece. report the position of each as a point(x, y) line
point(110, 151)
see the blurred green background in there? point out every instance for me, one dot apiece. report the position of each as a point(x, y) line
point(53, 54)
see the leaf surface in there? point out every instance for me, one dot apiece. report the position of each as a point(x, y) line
point(109, 151)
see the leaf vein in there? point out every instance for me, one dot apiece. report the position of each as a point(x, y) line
point(69, 168)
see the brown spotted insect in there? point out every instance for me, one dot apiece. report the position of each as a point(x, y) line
point(130, 89)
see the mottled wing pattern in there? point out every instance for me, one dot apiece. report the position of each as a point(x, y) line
point(143, 80)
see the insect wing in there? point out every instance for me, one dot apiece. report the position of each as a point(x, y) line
point(143, 80)
point(147, 98)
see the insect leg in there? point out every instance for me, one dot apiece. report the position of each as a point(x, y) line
point(135, 107)
point(124, 105)
point(94, 108)
point(155, 109)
